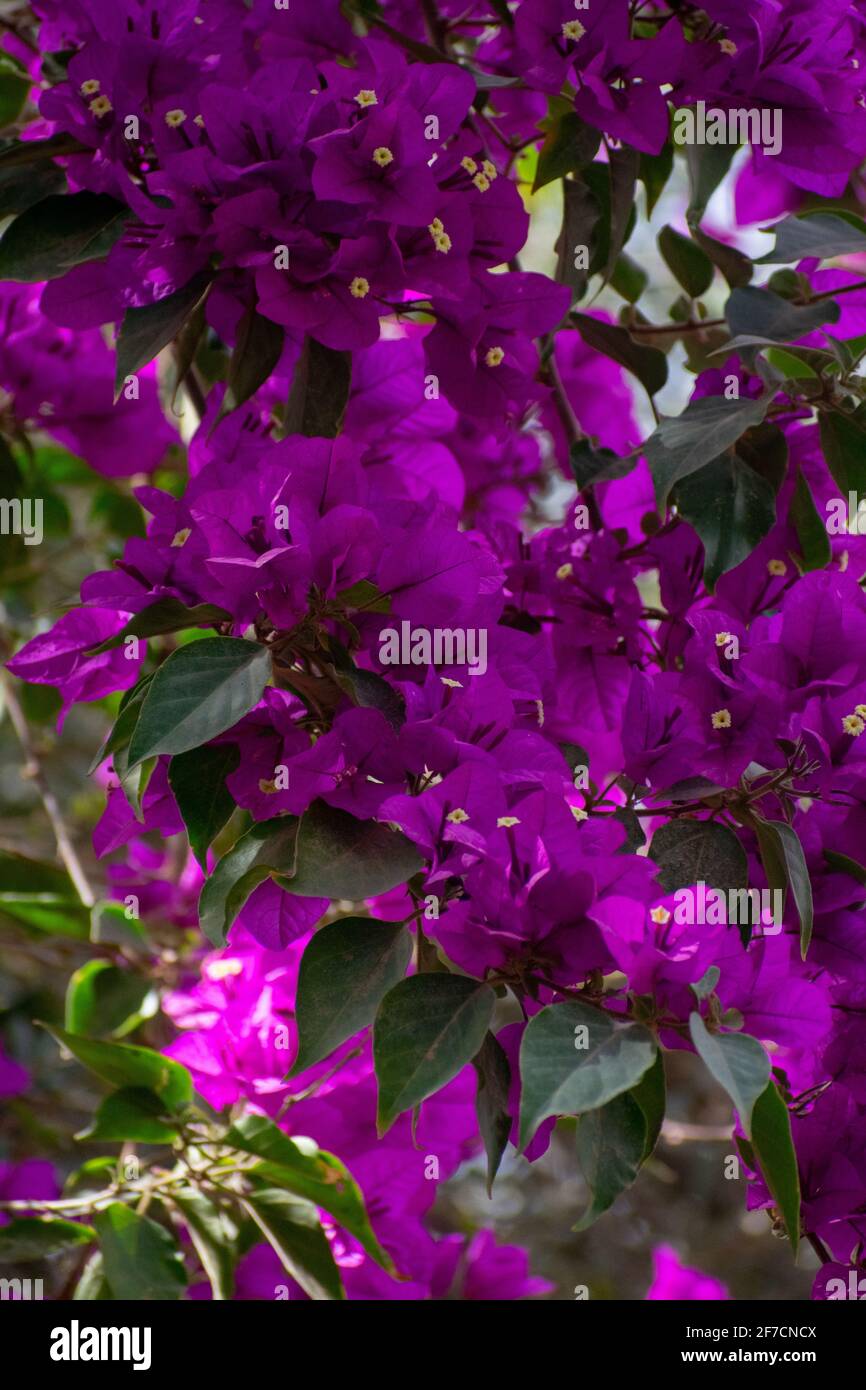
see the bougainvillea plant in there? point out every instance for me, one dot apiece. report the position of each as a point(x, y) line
point(510, 726)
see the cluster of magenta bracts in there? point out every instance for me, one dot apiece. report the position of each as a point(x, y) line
point(384, 184)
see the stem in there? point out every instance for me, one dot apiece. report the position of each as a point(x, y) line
point(33, 766)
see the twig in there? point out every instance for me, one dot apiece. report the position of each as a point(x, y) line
point(65, 847)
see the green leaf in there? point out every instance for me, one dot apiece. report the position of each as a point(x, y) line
point(491, 1103)
point(581, 214)
point(58, 233)
point(774, 1149)
point(568, 145)
point(426, 1030)
point(689, 265)
point(756, 316)
point(213, 1237)
point(256, 353)
point(92, 1287)
point(166, 615)
point(787, 857)
point(301, 1167)
point(20, 188)
point(821, 235)
point(346, 970)
point(843, 440)
point(267, 849)
point(319, 392)
point(734, 265)
point(101, 998)
point(648, 364)
point(708, 166)
point(122, 1064)
point(731, 507)
point(198, 781)
point(738, 1062)
point(575, 1058)
point(37, 1237)
point(629, 279)
point(199, 692)
point(650, 1095)
point(690, 851)
point(142, 1260)
point(682, 444)
point(15, 83)
point(14, 153)
point(294, 1231)
point(590, 464)
point(130, 1113)
point(812, 534)
point(623, 165)
point(610, 1148)
point(842, 864)
point(654, 171)
point(117, 741)
point(146, 331)
point(339, 856)
point(48, 912)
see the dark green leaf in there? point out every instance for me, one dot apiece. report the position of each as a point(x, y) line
point(568, 145)
point(774, 1150)
point(21, 188)
point(121, 1064)
point(580, 217)
point(212, 1235)
point(491, 1103)
point(738, 1062)
point(623, 166)
point(734, 265)
point(198, 781)
point(591, 464)
point(131, 1113)
point(319, 391)
point(559, 1075)
point(58, 233)
point(690, 851)
point(756, 316)
point(146, 331)
point(843, 440)
point(648, 364)
point(345, 972)
point(610, 1148)
point(142, 1260)
point(820, 235)
point(787, 856)
point(166, 615)
point(199, 692)
point(732, 509)
point(427, 1028)
point(629, 279)
point(294, 1231)
point(339, 856)
point(842, 864)
point(654, 171)
point(15, 83)
point(267, 849)
point(682, 444)
point(690, 266)
point(650, 1094)
point(298, 1165)
point(707, 165)
point(256, 354)
point(101, 998)
point(36, 1237)
point(812, 534)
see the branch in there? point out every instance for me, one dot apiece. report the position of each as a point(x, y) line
point(33, 769)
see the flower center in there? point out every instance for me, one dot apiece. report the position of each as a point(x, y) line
point(493, 356)
point(721, 719)
point(382, 156)
point(366, 97)
point(359, 288)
